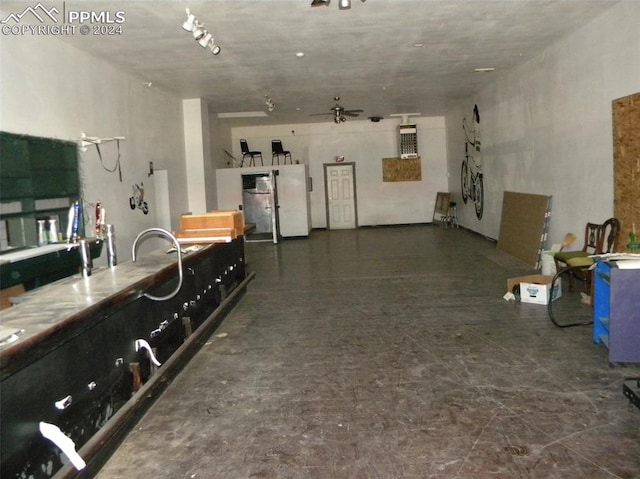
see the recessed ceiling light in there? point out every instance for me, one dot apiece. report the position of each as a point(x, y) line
point(300, 54)
point(418, 45)
point(484, 70)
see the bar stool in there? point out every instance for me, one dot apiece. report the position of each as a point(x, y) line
point(452, 215)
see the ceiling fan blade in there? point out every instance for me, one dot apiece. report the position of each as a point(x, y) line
point(350, 113)
point(320, 114)
point(354, 111)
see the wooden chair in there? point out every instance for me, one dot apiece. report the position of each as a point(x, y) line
point(247, 153)
point(610, 235)
point(598, 239)
point(589, 247)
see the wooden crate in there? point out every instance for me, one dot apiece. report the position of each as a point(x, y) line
point(206, 235)
point(214, 219)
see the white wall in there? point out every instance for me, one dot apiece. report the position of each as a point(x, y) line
point(196, 150)
point(52, 89)
point(546, 126)
point(365, 143)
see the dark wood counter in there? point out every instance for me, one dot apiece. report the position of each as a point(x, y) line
point(70, 354)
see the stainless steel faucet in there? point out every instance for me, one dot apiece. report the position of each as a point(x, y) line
point(174, 240)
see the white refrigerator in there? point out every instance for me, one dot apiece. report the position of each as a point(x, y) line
point(294, 212)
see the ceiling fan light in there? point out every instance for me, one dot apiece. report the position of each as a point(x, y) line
point(344, 4)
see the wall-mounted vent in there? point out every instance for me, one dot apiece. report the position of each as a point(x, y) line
point(408, 141)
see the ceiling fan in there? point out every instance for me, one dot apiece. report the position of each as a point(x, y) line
point(338, 112)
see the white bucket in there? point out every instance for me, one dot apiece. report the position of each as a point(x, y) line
point(548, 265)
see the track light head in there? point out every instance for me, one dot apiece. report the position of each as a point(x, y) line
point(198, 31)
point(189, 24)
point(215, 49)
point(344, 4)
point(204, 41)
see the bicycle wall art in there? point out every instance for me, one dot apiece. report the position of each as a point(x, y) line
point(471, 171)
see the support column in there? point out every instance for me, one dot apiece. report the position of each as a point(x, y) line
point(197, 151)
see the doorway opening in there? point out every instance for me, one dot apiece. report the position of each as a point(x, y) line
point(260, 206)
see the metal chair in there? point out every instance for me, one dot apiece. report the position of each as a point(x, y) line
point(252, 155)
point(277, 151)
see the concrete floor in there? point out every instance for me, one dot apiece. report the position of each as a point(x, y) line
point(390, 353)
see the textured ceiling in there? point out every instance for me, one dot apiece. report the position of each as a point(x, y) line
point(365, 55)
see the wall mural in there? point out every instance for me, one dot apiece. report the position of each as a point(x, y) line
point(471, 171)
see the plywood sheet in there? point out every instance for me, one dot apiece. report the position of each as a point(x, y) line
point(397, 169)
point(524, 225)
point(626, 167)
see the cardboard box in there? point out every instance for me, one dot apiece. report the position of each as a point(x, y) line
point(536, 288)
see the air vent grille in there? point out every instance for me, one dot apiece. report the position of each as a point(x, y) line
point(408, 141)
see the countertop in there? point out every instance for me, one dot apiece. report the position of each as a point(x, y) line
point(43, 312)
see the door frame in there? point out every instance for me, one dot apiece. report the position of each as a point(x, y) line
point(326, 166)
point(272, 174)
point(275, 208)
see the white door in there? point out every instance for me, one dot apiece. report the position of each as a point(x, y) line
point(340, 196)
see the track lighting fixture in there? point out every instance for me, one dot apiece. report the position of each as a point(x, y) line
point(342, 4)
point(270, 105)
point(200, 34)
